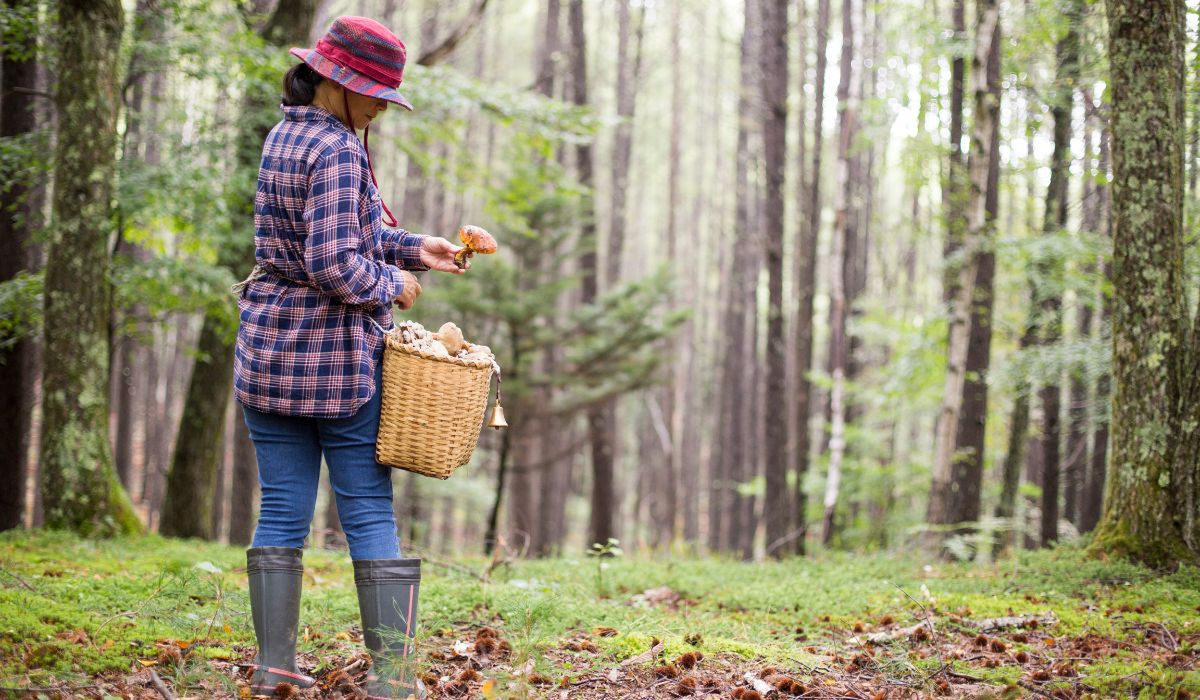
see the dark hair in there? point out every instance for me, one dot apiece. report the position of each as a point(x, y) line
point(300, 85)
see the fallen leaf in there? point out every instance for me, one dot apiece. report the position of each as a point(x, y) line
point(462, 648)
point(644, 656)
point(764, 688)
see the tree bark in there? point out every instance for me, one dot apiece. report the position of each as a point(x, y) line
point(80, 488)
point(806, 278)
point(1076, 467)
point(188, 500)
point(967, 472)
point(1014, 457)
point(599, 417)
point(775, 90)
point(244, 493)
point(19, 208)
point(140, 143)
point(1050, 307)
point(945, 505)
point(849, 86)
point(735, 449)
point(956, 194)
point(1093, 495)
point(1143, 516)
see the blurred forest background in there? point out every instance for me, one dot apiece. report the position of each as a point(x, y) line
point(776, 275)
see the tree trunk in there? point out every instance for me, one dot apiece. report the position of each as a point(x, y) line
point(141, 138)
point(1093, 495)
point(80, 489)
point(956, 192)
point(1050, 316)
point(1014, 457)
point(628, 68)
point(806, 257)
point(1075, 469)
point(849, 86)
point(19, 213)
point(967, 471)
point(775, 89)
point(949, 500)
point(955, 207)
point(599, 417)
point(194, 462)
point(1143, 517)
point(547, 55)
point(244, 493)
point(735, 451)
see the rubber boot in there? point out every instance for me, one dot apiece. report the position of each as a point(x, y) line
point(387, 601)
point(275, 575)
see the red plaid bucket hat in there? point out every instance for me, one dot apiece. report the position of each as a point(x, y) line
point(362, 56)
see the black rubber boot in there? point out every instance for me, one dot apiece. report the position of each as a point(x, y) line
point(275, 575)
point(387, 601)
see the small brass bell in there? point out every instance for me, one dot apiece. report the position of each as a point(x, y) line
point(497, 420)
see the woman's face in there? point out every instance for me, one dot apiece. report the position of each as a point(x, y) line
point(364, 109)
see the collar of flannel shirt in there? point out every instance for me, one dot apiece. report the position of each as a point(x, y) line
point(310, 113)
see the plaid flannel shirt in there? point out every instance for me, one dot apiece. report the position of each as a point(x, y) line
point(308, 343)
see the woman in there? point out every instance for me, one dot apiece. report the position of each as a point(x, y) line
point(307, 365)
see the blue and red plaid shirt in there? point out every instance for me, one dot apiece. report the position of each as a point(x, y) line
point(308, 342)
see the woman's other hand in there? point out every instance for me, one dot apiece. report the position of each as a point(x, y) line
point(412, 290)
point(438, 254)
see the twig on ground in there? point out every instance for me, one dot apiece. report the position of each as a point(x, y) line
point(1173, 646)
point(893, 635)
point(999, 623)
point(18, 579)
point(928, 617)
point(160, 686)
point(498, 560)
point(353, 666)
point(798, 532)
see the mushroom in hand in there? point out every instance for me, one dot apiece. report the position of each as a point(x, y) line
point(474, 240)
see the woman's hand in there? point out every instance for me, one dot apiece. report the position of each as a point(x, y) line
point(412, 290)
point(438, 254)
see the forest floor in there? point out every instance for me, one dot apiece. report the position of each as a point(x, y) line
point(154, 618)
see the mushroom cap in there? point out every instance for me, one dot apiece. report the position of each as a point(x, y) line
point(477, 240)
point(451, 337)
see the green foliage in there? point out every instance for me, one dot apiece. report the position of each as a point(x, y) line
point(18, 25)
point(602, 552)
point(20, 308)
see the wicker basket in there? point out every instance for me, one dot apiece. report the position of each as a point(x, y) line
point(432, 410)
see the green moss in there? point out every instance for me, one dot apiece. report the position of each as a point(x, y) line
point(1114, 539)
point(129, 595)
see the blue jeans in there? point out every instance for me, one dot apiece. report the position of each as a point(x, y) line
point(289, 450)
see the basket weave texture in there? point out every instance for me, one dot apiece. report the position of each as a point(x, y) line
point(432, 409)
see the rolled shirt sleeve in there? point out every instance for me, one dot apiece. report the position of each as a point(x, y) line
point(403, 249)
point(331, 253)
